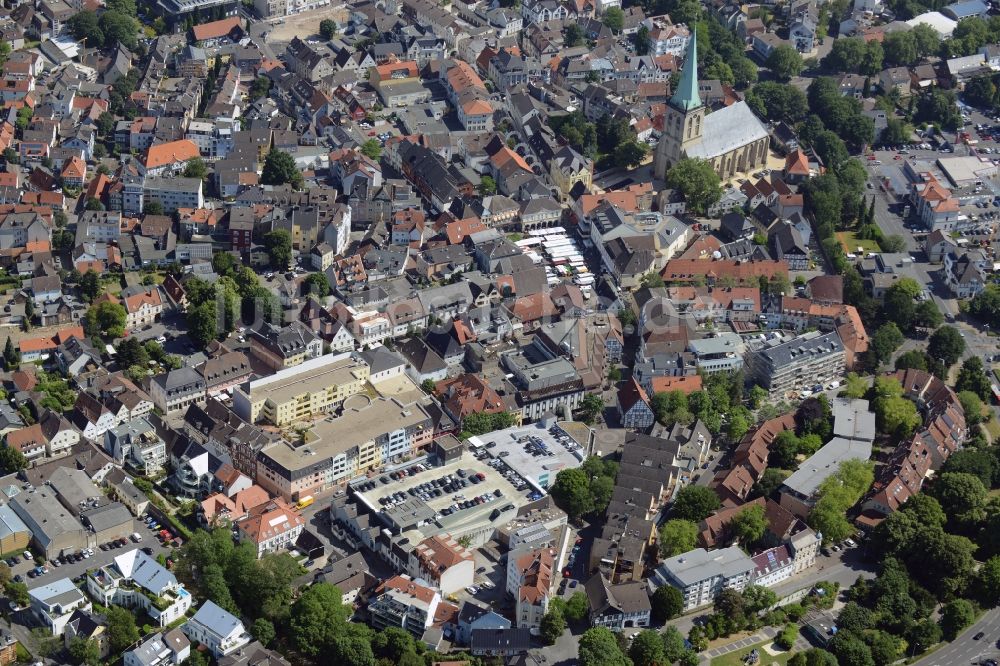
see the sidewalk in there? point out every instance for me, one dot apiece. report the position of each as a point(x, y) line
point(744, 644)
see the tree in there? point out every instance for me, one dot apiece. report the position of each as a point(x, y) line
point(838, 493)
point(786, 639)
point(553, 625)
point(573, 35)
point(947, 345)
point(591, 405)
point(577, 607)
point(673, 644)
point(642, 41)
point(985, 306)
point(317, 284)
point(12, 460)
point(956, 616)
point(962, 496)
point(927, 315)
point(152, 208)
point(886, 340)
point(86, 25)
point(195, 168)
point(571, 492)
point(769, 482)
point(697, 181)
point(318, 619)
point(629, 154)
point(280, 169)
point(107, 319)
point(260, 87)
point(813, 657)
point(757, 598)
point(122, 631)
point(118, 27)
point(749, 525)
point(729, 605)
point(694, 503)
point(327, 29)
point(667, 602)
point(90, 286)
point(850, 650)
point(93, 203)
point(677, 536)
point(11, 357)
point(85, 651)
point(900, 302)
point(372, 149)
point(599, 647)
point(972, 377)
point(647, 649)
point(487, 186)
point(278, 244)
point(18, 593)
point(784, 62)
point(923, 635)
point(856, 618)
point(884, 647)
point(614, 18)
point(131, 352)
point(900, 49)
point(972, 406)
point(778, 101)
point(202, 321)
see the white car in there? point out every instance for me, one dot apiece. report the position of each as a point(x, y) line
point(473, 590)
point(162, 339)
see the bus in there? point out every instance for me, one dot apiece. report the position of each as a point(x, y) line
point(304, 502)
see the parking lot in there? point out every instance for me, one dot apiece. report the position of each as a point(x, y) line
point(448, 490)
point(97, 558)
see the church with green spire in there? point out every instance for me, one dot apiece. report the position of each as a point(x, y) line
point(732, 138)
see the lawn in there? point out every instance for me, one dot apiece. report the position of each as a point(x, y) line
point(735, 658)
point(850, 242)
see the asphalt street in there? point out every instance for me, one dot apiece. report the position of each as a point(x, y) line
point(965, 649)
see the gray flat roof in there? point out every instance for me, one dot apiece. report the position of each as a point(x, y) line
point(699, 564)
point(820, 465)
point(852, 420)
point(561, 450)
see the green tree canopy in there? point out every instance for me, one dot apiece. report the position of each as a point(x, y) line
point(694, 503)
point(677, 536)
point(947, 345)
point(784, 62)
point(697, 181)
point(599, 647)
point(280, 169)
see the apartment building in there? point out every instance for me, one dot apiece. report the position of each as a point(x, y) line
point(271, 526)
point(54, 603)
point(217, 629)
point(284, 346)
point(177, 389)
point(173, 193)
point(530, 574)
point(309, 388)
point(469, 96)
point(441, 560)
point(340, 448)
point(136, 444)
point(617, 607)
point(137, 581)
point(721, 353)
point(400, 602)
point(701, 574)
point(811, 358)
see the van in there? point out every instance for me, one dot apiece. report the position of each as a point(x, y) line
point(136, 537)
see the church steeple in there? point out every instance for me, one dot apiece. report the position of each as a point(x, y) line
point(686, 97)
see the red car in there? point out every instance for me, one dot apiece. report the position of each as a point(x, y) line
point(567, 573)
